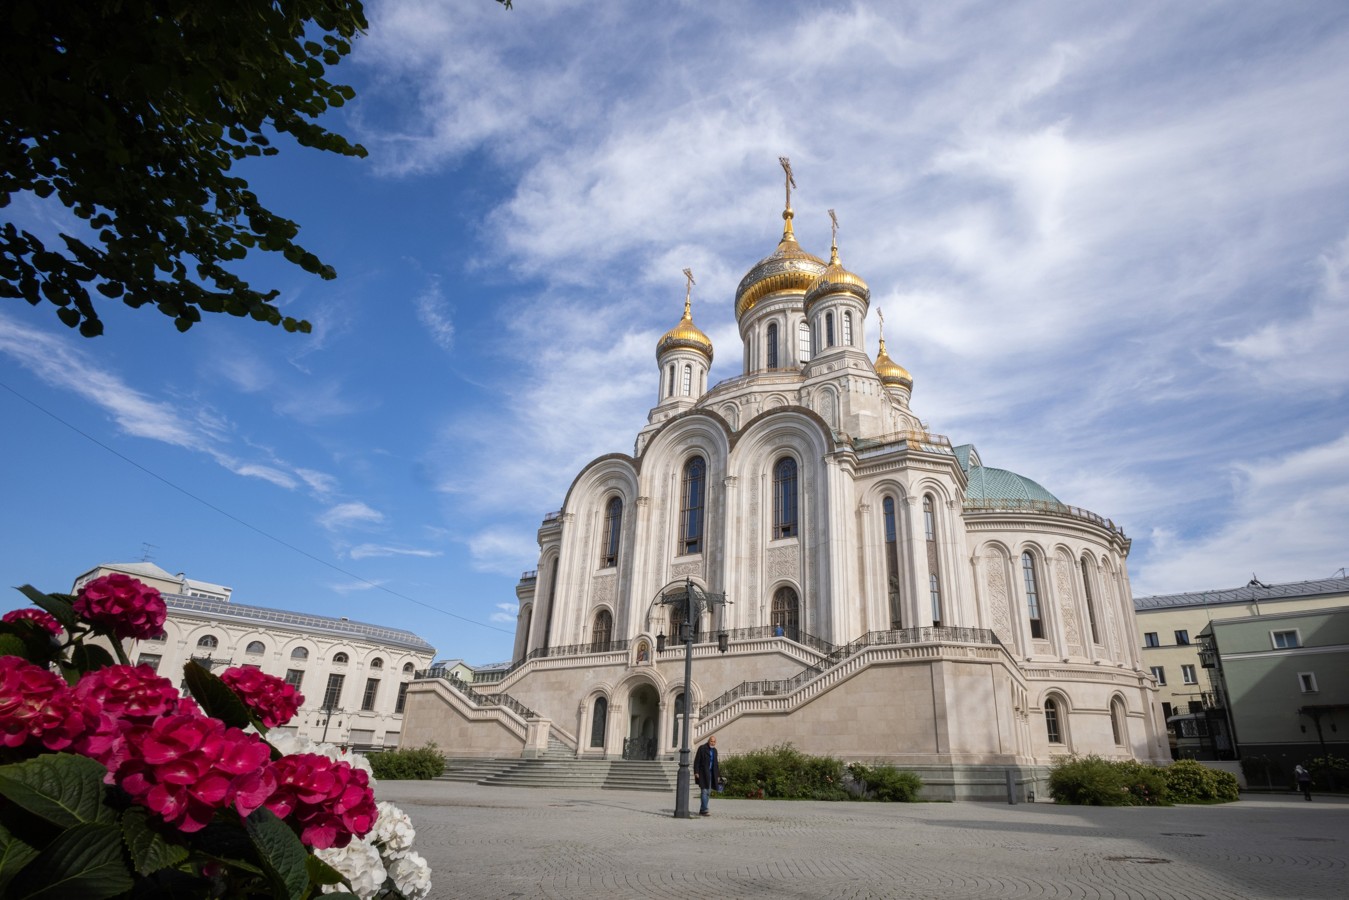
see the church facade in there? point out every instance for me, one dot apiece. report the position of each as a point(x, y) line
point(879, 593)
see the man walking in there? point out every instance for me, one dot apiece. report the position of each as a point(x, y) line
point(706, 772)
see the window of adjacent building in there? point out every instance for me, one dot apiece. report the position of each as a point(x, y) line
point(1195, 706)
point(603, 631)
point(408, 668)
point(1187, 675)
point(339, 659)
point(1159, 672)
point(598, 719)
point(371, 689)
point(613, 530)
point(149, 659)
point(803, 342)
point(1193, 728)
point(295, 678)
point(1052, 727)
point(847, 328)
point(785, 612)
point(1150, 639)
point(1032, 584)
point(691, 507)
point(255, 647)
point(933, 563)
point(299, 653)
point(402, 698)
point(1091, 602)
point(892, 562)
point(1117, 724)
point(829, 329)
point(772, 345)
point(1182, 636)
point(1167, 712)
point(377, 663)
point(1307, 682)
point(208, 642)
point(784, 498)
point(158, 637)
point(332, 694)
point(1285, 640)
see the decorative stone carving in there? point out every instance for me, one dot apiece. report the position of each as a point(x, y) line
point(604, 588)
point(1067, 611)
point(754, 537)
point(782, 562)
point(998, 600)
point(686, 569)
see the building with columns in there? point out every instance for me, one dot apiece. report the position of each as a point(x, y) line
point(889, 597)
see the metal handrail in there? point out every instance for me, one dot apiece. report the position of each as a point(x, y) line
point(1048, 506)
point(479, 699)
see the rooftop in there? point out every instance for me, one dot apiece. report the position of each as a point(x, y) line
point(1249, 593)
point(221, 609)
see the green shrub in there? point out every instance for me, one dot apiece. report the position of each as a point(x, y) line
point(421, 764)
point(1093, 781)
point(886, 783)
point(1188, 781)
point(783, 773)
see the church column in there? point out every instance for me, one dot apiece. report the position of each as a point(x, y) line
point(913, 562)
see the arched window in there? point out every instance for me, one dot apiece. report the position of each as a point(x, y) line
point(786, 612)
point(1091, 603)
point(847, 328)
point(598, 720)
point(255, 647)
point(603, 631)
point(1037, 625)
point(299, 653)
point(670, 382)
point(691, 507)
point(1052, 726)
point(803, 342)
point(376, 663)
point(772, 345)
point(678, 720)
point(208, 642)
point(892, 562)
point(679, 614)
point(829, 329)
point(408, 668)
point(933, 561)
point(339, 659)
point(687, 388)
point(1117, 724)
point(613, 528)
point(784, 498)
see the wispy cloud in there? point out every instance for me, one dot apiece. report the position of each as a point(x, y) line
point(434, 314)
point(505, 614)
point(351, 514)
point(355, 587)
point(504, 551)
point(367, 551)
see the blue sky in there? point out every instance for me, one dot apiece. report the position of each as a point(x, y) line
point(1111, 242)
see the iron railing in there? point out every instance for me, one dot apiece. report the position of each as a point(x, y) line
point(1047, 506)
point(478, 698)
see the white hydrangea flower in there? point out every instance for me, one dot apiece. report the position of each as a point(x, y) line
point(393, 833)
point(359, 861)
point(411, 875)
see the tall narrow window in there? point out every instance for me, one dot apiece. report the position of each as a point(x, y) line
point(772, 345)
point(400, 703)
point(603, 632)
point(669, 382)
point(1117, 727)
point(1037, 626)
point(933, 562)
point(691, 507)
point(784, 498)
point(678, 719)
point(332, 695)
point(613, 528)
point(598, 719)
point(371, 689)
point(295, 678)
point(847, 329)
point(679, 614)
point(688, 380)
point(892, 562)
point(1091, 602)
point(829, 329)
point(786, 612)
point(1052, 728)
point(803, 342)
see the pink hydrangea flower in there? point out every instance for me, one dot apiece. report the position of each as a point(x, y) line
point(132, 697)
point(329, 801)
point(186, 767)
point(37, 705)
point(130, 608)
point(45, 619)
point(274, 701)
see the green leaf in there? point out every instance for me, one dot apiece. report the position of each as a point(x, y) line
point(59, 605)
point(215, 697)
point(320, 872)
point(15, 853)
point(150, 852)
point(13, 645)
point(283, 856)
point(90, 657)
point(62, 788)
point(85, 862)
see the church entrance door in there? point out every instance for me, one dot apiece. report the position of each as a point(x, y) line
point(643, 714)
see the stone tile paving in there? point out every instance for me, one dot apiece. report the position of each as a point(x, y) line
point(485, 842)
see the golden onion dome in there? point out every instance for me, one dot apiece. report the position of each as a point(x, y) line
point(892, 373)
point(836, 280)
point(685, 334)
point(788, 268)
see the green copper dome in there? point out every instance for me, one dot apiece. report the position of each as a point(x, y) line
point(992, 486)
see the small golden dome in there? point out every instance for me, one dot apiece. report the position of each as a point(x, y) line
point(789, 268)
point(892, 373)
point(685, 334)
point(836, 280)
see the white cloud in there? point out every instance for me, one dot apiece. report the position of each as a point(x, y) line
point(353, 587)
point(366, 551)
point(347, 515)
point(501, 550)
point(506, 613)
point(434, 314)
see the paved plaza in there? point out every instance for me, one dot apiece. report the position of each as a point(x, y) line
point(494, 842)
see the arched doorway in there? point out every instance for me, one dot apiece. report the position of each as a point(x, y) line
point(643, 716)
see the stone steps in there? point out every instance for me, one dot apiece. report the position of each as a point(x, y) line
point(555, 772)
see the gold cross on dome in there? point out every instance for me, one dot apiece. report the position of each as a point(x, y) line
point(833, 218)
point(791, 181)
point(688, 290)
point(881, 316)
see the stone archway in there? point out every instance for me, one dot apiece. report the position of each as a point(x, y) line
point(643, 723)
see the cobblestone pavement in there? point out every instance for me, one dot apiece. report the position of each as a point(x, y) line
point(493, 842)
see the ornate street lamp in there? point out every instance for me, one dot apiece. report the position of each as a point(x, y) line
point(695, 601)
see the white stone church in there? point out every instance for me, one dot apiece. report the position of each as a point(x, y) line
point(889, 597)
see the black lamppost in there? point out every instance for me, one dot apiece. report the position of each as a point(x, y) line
point(695, 600)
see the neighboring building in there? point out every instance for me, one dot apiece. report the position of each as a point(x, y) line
point(890, 596)
point(1283, 678)
point(354, 676)
point(1168, 629)
point(453, 668)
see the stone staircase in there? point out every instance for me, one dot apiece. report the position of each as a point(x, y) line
point(558, 767)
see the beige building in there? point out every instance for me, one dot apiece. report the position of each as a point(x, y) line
point(1168, 628)
point(354, 676)
point(888, 595)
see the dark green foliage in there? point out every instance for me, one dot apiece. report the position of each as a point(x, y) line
point(1093, 781)
point(1261, 770)
point(1329, 773)
point(421, 764)
point(885, 783)
point(1188, 781)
